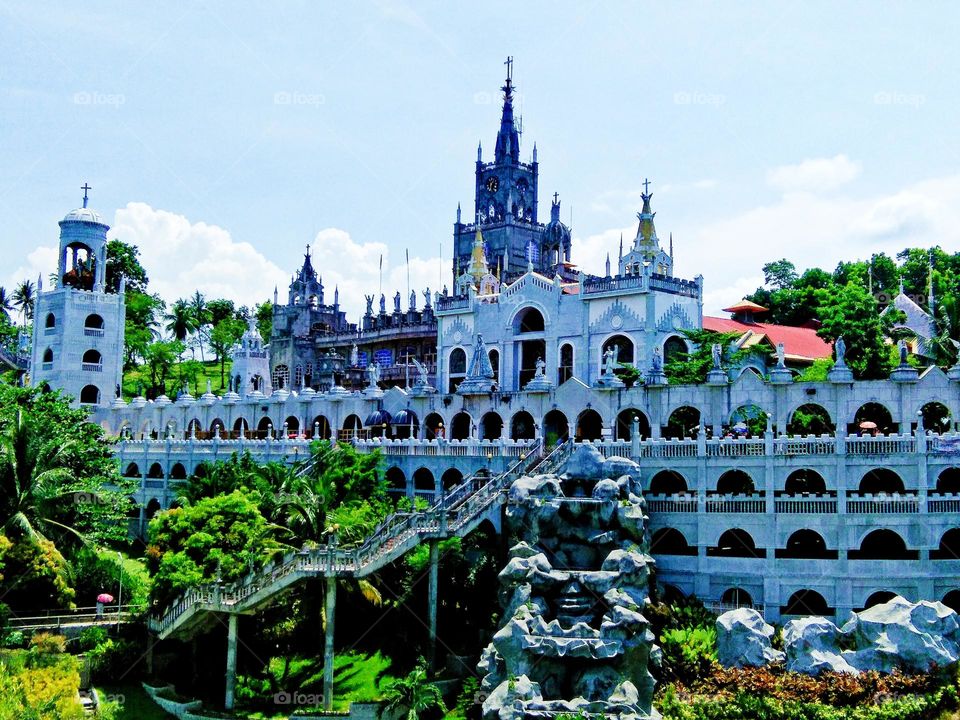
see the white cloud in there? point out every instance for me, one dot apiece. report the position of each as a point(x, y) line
point(814, 175)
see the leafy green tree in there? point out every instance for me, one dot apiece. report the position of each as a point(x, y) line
point(6, 304)
point(23, 298)
point(264, 315)
point(851, 312)
point(218, 538)
point(201, 318)
point(413, 694)
point(160, 358)
point(123, 260)
point(691, 368)
point(141, 326)
point(779, 274)
point(225, 334)
point(219, 310)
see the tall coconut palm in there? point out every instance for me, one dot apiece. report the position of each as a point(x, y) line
point(201, 318)
point(23, 298)
point(413, 694)
point(180, 320)
point(33, 474)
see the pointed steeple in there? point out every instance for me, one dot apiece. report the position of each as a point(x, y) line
point(307, 272)
point(478, 259)
point(508, 139)
point(608, 265)
point(646, 239)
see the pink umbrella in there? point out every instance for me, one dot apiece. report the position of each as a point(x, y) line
point(104, 598)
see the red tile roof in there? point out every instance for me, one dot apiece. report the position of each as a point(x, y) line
point(799, 343)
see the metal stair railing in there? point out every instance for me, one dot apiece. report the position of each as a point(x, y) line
point(395, 536)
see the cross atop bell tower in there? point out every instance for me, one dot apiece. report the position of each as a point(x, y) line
point(85, 187)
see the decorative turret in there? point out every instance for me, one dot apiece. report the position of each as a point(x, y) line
point(556, 237)
point(306, 287)
point(646, 255)
point(83, 248)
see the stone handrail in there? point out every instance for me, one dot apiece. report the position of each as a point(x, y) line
point(396, 535)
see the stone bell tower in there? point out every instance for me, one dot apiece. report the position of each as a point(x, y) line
point(78, 325)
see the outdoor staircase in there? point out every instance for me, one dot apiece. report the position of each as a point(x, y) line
point(457, 514)
point(12, 360)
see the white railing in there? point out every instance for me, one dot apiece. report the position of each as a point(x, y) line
point(805, 445)
point(880, 445)
point(817, 503)
point(943, 503)
point(93, 332)
point(678, 503)
point(884, 503)
point(718, 447)
point(752, 503)
point(91, 367)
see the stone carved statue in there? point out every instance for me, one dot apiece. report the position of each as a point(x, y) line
point(780, 356)
point(480, 367)
point(369, 304)
point(573, 637)
point(383, 304)
point(840, 347)
point(421, 372)
point(656, 362)
point(426, 299)
point(445, 291)
point(717, 355)
point(373, 374)
point(396, 302)
point(541, 367)
point(608, 355)
point(413, 299)
point(354, 356)
point(903, 350)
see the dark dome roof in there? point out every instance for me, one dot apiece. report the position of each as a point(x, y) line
point(377, 417)
point(405, 417)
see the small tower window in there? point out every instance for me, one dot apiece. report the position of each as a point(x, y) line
point(92, 360)
point(93, 326)
point(51, 321)
point(47, 356)
point(90, 395)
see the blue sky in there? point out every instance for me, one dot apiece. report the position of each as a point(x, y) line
point(222, 137)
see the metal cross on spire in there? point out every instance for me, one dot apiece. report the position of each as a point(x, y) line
point(509, 63)
point(85, 187)
point(646, 185)
point(555, 196)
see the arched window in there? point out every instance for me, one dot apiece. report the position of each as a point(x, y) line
point(281, 377)
point(423, 480)
point(48, 356)
point(241, 425)
point(521, 426)
point(810, 419)
point(936, 417)
point(320, 428)
point(155, 472)
point(396, 480)
point(682, 423)
point(92, 360)
point(883, 545)
point(881, 480)
point(879, 598)
point(132, 471)
point(556, 428)
point(90, 395)
point(948, 482)
point(670, 541)
point(529, 320)
point(461, 426)
point(806, 602)
point(674, 348)
point(736, 597)
point(625, 424)
point(293, 426)
point(872, 418)
point(178, 472)
point(153, 507)
point(491, 426)
point(93, 325)
point(806, 544)
point(736, 543)
point(668, 482)
point(352, 427)
point(623, 351)
point(457, 365)
point(589, 426)
point(494, 356)
point(565, 366)
point(451, 478)
point(748, 420)
point(51, 321)
point(298, 376)
point(265, 427)
point(434, 426)
point(804, 480)
point(949, 546)
point(735, 482)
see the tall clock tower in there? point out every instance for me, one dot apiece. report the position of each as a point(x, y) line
point(505, 204)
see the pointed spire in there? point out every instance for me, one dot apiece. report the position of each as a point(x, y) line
point(479, 151)
point(458, 213)
point(671, 246)
point(508, 139)
point(275, 295)
point(646, 232)
point(620, 259)
point(534, 153)
point(336, 296)
point(608, 265)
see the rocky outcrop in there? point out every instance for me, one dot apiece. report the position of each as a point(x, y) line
point(743, 638)
point(895, 635)
point(574, 638)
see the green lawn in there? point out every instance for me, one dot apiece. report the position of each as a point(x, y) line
point(209, 370)
point(133, 701)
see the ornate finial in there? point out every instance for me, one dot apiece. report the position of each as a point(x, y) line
point(85, 187)
point(308, 249)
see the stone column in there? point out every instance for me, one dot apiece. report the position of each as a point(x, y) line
point(432, 600)
point(331, 589)
point(231, 661)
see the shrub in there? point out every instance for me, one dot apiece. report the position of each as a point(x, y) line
point(48, 643)
point(114, 658)
point(688, 653)
point(90, 637)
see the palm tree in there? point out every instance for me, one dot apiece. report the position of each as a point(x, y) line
point(414, 694)
point(201, 317)
point(33, 473)
point(23, 298)
point(180, 320)
point(6, 306)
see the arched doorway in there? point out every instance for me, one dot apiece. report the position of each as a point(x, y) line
point(670, 541)
point(881, 480)
point(265, 427)
point(684, 422)
point(736, 597)
point(625, 424)
point(529, 322)
point(871, 419)
point(952, 600)
point(451, 478)
point(668, 482)
point(735, 482)
point(491, 426)
point(433, 425)
point(949, 548)
point(423, 480)
point(674, 348)
point(948, 482)
point(879, 598)
point(292, 426)
point(405, 424)
point(217, 428)
point(153, 507)
point(241, 426)
point(810, 419)
point(396, 480)
point(320, 428)
point(522, 426)
point(936, 417)
point(352, 427)
point(736, 543)
point(806, 602)
point(565, 366)
point(155, 472)
point(883, 545)
point(132, 471)
point(460, 427)
point(748, 420)
point(804, 480)
point(807, 544)
point(178, 472)
point(589, 426)
point(556, 428)
point(456, 368)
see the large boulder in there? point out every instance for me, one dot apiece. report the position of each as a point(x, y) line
point(585, 463)
point(743, 638)
point(899, 634)
point(812, 646)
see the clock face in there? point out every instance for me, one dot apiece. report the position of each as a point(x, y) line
point(492, 183)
